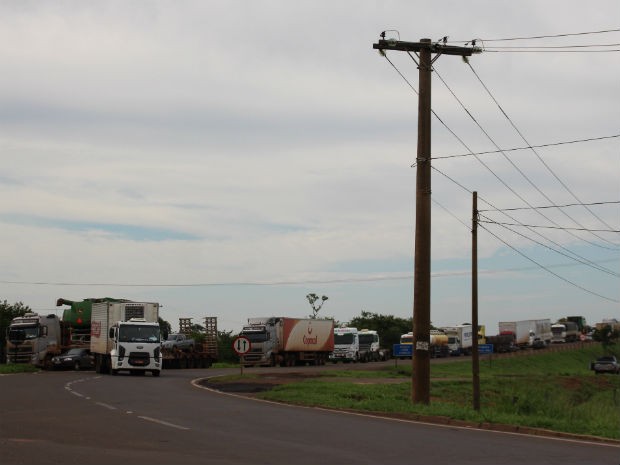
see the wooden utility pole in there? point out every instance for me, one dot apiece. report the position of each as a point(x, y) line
point(475, 356)
point(422, 254)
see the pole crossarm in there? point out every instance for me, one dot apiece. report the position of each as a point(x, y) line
point(434, 47)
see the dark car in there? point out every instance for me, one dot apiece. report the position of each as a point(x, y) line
point(76, 359)
point(607, 364)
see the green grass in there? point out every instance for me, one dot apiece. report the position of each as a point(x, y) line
point(551, 390)
point(17, 368)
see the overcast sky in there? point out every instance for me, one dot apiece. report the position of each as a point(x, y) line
point(228, 158)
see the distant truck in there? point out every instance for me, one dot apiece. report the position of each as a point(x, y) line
point(126, 336)
point(36, 338)
point(565, 331)
point(438, 343)
point(288, 341)
point(370, 346)
point(346, 345)
point(526, 332)
point(502, 343)
point(460, 339)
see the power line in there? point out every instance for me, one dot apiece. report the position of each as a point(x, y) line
point(556, 206)
point(486, 50)
point(575, 257)
point(516, 168)
point(562, 183)
point(527, 147)
point(548, 227)
point(548, 270)
point(592, 264)
point(555, 46)
point(552, 36)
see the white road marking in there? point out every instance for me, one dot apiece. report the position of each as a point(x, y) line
point(165, 423)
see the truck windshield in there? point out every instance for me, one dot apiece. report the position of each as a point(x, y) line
point(367, 338)
point(348, 338)
point(136, 333)
point(256, 336)
point(27, 332)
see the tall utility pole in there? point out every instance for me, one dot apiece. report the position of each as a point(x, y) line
point(422, 254)
point(475, 356)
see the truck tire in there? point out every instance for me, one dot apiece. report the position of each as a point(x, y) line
point(155, 373)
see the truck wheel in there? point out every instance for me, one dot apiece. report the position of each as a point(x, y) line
point(155, 373)
point(114, 372)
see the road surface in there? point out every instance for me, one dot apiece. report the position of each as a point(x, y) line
point(85, 418)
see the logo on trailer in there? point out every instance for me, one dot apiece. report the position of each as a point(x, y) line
point(95, 329)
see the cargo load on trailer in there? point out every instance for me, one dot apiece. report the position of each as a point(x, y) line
point(288, 341)
point(438, 343)
point(527, 332)
point(37, 338)
point(189, 348)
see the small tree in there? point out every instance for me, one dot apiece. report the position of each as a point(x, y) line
point(313, 298)
point(164, 327)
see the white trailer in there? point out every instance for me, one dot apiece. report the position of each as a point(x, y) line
point(525, 332)
point(126, 336)
point(460, 339)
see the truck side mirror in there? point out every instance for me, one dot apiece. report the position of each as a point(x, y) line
point(111, 333)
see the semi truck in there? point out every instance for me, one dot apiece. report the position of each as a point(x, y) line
point(565, 331)
point(438, 343)
point(126, 336)
point(36, 338)
point(527, 332)
point(370, 346)
point(460, 339)
point(346, 345)
point(288, 341)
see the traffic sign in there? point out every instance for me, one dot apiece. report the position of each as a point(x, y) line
point(485, 348)
point(242, 345)
point(402, 350)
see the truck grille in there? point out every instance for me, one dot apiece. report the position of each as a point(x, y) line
point(139, 359)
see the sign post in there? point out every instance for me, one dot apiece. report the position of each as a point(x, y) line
point(241, 345)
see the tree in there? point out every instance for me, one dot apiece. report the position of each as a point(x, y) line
point(164, 327)
point(389, 327)
point(7, 313)
point(225, 347)
point(312, 298)
point(608, 336)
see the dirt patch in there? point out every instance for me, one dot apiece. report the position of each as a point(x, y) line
point(266, 382)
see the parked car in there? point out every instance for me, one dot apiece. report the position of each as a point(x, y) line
point(76, 359)
point(606, 364)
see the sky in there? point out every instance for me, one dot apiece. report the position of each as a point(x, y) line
point(229, 158)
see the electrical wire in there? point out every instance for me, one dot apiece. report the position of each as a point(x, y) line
point(553, 144)
point(575, 257)
point(562, 183)
point(548, 270)
point(518, 170)
point(556, 206)
point(563, 228)
point(552, 36)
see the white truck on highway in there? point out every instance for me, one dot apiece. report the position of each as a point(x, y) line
point(126, 336)
point(346, 345)
point(527, 332)
point(460, 339)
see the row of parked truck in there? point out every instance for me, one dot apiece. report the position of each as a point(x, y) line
point(120, 334)
point(512, 336)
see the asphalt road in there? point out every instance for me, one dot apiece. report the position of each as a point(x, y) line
point(85, 418)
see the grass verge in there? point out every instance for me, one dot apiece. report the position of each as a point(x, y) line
point(550, 390)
